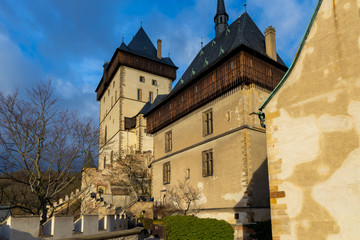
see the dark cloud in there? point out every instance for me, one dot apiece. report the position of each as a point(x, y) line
point(68, 41)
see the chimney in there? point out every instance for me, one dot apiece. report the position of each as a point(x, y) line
point(106, 64)
point(270, 42)
point(159, 49)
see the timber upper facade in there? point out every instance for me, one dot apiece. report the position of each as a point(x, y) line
point(226, 62)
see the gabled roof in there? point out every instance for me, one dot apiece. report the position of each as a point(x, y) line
point(243, 32)
point(141, 45)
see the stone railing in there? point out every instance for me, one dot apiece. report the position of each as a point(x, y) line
point(60, 227)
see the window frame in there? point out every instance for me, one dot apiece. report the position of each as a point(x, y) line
point(208, 163)
point(154, 81)
point(151, 96)
point(139, 94)
point(168, 141)
point(166, 173)
point(142, 79)
point(208, 122)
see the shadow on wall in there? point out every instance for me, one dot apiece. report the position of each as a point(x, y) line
point(254, 207)
point(12, 234)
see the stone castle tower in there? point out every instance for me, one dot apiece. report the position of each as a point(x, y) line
point(136, 76)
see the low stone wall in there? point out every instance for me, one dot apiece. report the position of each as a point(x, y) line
point(60, 227)
point(130, 234)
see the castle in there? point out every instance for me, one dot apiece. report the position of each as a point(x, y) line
point(206, 131)
point(201, 132)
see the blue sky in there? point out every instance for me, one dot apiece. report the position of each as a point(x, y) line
point(68, 41)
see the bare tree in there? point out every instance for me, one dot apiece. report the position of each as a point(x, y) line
point(42, 148)
point(182, 198)
point(133, 173)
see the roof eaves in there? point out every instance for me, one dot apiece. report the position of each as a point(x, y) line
point(283, 80)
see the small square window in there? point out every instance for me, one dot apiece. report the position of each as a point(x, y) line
point(142, 79)
point(154, 82)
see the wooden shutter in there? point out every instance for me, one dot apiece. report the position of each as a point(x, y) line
point(169, 173)
point(211, 163)
point(204, 170)
point(210, 122)
point(204, 124)
point(164, 173)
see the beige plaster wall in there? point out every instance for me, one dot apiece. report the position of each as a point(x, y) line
point(313, 132)
point(239, 155)
point(120, 101)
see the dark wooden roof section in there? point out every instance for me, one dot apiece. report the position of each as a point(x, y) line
point(243, 68)
point(139, 54)
point(237, 57)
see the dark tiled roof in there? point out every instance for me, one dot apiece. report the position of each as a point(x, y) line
point(157, 101)
point(220, 8)
point(141, 45)
point(242, 32)
point(146, 108)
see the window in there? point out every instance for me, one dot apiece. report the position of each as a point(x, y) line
point(168, 141)
point(196, 89)
point(105, 138)
point(104, 98)
point(142, 79)
point(111, 157)
point(108, 92)
point(166, 173)
point(104, 162)
point(115, 96)
point(213, 78)
point(154, 82)
point(151, 96)
point(232, 65)
point(113, 84)
point(187, 173)
point(207, 123)
point(207, 163)
point(139, 95)
point(228, 116)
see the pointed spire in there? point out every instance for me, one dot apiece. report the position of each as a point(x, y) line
point(221, 18)
point(221, 8)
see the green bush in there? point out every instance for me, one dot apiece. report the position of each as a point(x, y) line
point(146, 222)
point(193, 228)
